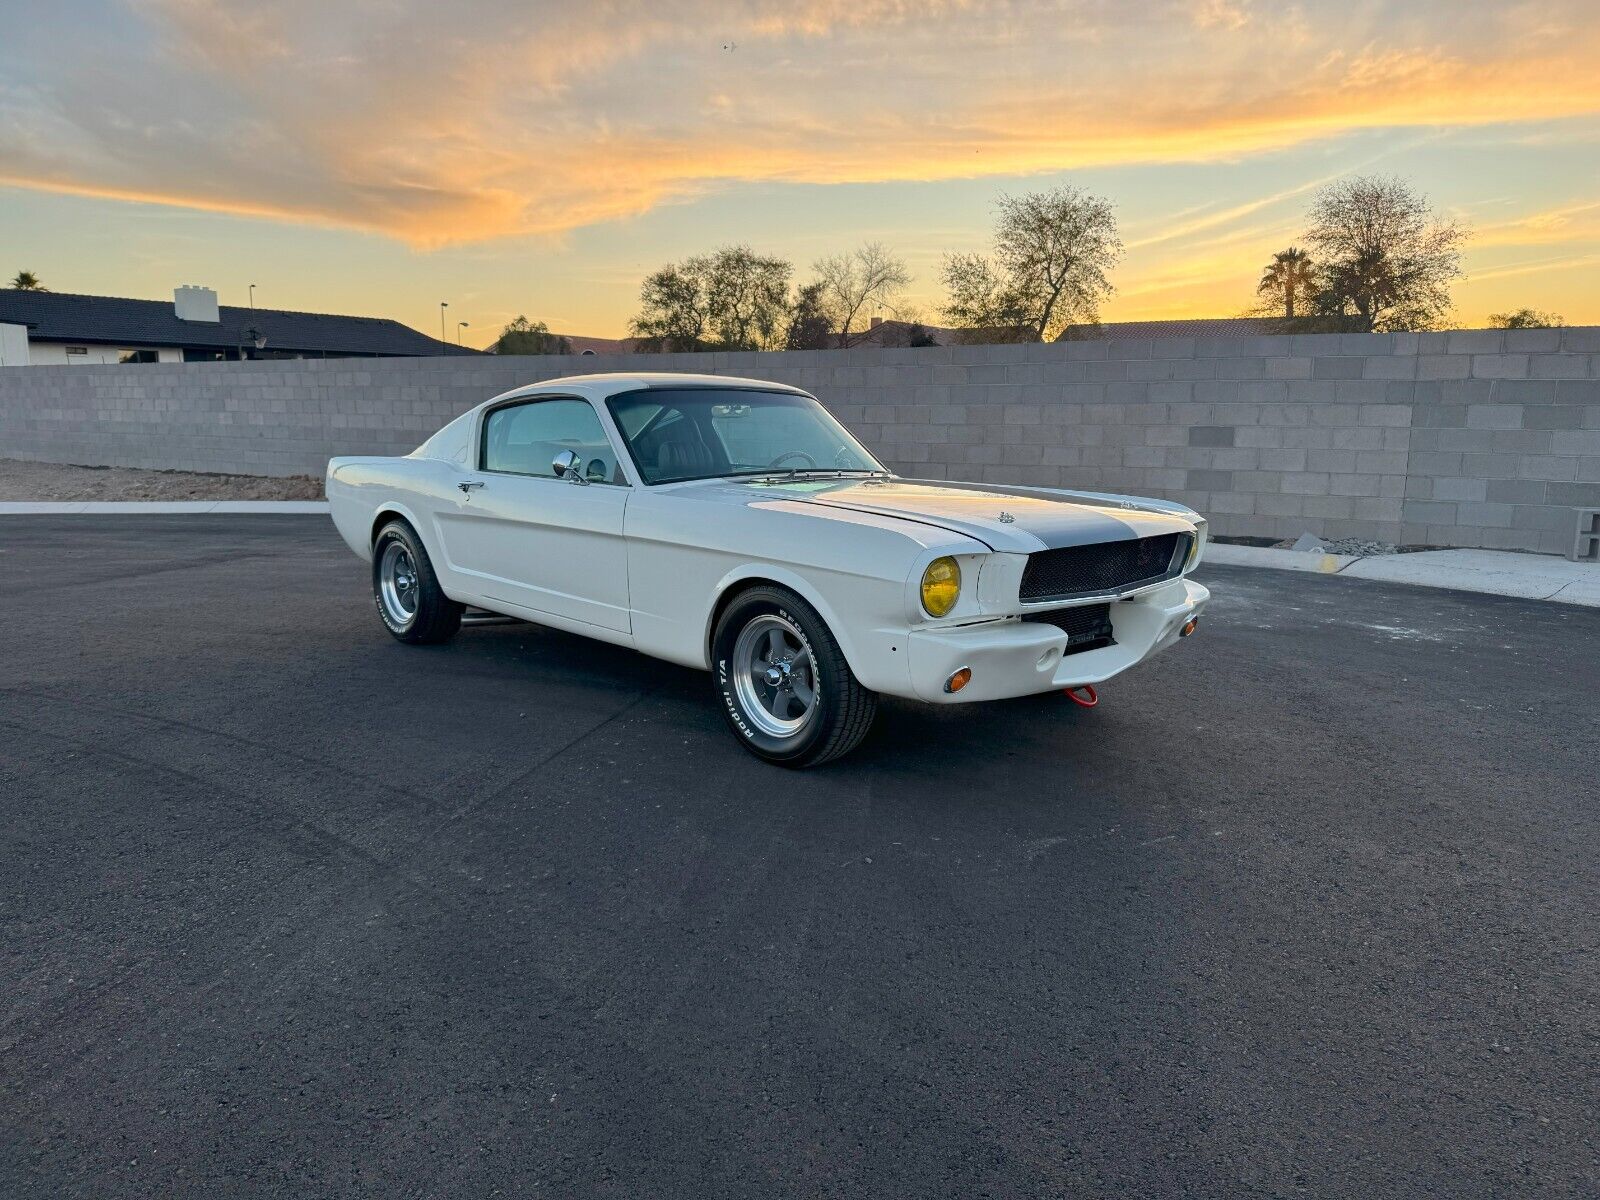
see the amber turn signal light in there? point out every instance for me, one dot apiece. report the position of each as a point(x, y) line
point(1189, 626)
point(958, 680)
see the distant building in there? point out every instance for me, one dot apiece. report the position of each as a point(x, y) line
point(598, 345)
point(58, 328)
point(885, 333)
point(889, 334)
point(1206, 327)
point(893, 335)
point(582, 344)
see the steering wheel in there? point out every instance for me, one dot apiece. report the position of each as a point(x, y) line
point(787, 454)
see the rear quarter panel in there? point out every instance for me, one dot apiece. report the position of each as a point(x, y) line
point(360, 490)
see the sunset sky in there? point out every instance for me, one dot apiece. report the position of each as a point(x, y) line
point(514, 156)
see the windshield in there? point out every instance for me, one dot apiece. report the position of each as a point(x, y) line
point(675, 434)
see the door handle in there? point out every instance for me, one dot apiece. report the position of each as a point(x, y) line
point(469, 485)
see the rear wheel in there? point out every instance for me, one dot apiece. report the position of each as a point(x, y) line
point(784, 685)
point(413, 606)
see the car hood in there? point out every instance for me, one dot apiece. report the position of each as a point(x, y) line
point(1015, 520)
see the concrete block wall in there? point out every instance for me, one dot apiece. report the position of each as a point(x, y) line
point(1469, 438)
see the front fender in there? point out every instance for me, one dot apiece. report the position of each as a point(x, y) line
point(874, 647)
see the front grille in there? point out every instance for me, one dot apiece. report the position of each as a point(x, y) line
point(1088, 626)
point(1106, 567)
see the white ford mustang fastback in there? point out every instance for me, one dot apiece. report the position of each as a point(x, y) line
point(734, 525)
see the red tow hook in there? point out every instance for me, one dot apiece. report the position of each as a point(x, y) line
point(1087, 701)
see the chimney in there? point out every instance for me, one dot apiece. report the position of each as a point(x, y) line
point(876, 321)
point(196, 304)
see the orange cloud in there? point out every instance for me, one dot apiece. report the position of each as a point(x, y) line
point(438, 124)
point(1537, 267)
point(1570, 223)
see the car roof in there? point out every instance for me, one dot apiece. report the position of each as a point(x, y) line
point(600, 386)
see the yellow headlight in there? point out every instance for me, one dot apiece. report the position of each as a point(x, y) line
point(941, 586)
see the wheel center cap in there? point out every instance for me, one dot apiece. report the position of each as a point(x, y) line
point(775, 676)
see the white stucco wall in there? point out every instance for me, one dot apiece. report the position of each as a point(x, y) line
point(54, 354)
point(14, 346)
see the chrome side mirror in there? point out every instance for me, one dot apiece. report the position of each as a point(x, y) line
point(567, 465)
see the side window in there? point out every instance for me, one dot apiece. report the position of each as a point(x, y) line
point(523, 439)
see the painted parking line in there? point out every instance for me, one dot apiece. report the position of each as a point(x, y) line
point(160, 507)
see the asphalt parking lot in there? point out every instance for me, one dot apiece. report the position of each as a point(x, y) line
point(1308, 906)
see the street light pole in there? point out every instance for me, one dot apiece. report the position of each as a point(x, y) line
point(443, 304)
point(252, 298)
point(460, 325)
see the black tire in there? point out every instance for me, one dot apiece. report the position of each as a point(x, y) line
point(841, 710)
point(434, 617)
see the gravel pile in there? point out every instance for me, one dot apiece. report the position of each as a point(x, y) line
point(48, 481)
point(1357, 546)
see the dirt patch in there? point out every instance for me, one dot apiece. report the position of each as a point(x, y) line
point(48, 481)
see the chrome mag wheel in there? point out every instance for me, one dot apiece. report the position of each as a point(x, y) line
point(775, 676)
point(397, 583)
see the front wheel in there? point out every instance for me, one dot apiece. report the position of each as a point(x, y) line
point(783, 683)
point(413, 606)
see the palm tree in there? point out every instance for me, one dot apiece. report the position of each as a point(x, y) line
point(1290, 275)
point(27, 281)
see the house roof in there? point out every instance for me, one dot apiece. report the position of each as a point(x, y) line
point(1210, 327)
point(897, 334)
point(113, 320)
point(582, 344)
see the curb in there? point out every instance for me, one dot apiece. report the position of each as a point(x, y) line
point(1278, 560)
point(1487, 572)
point(160, 507)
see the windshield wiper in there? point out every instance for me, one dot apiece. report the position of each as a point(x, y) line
point(839, 472)
point(769, 475)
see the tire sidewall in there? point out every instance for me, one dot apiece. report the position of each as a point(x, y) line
point(741, 612)
point(397, 531)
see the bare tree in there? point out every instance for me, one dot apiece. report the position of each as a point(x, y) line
point(868, 276)
point(1387, 258)
point(732, 299)
point(1052, 252)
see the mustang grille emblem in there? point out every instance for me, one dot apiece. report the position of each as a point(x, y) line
point(1006, 518)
